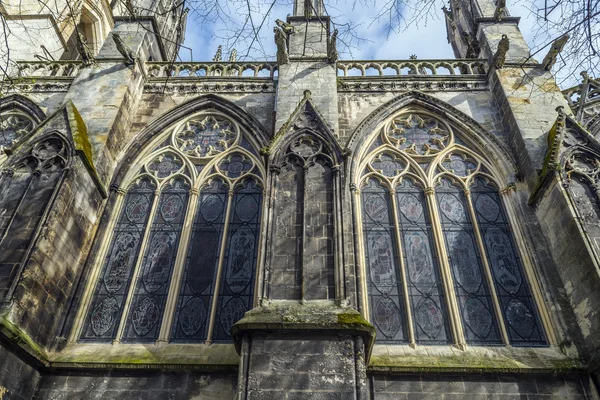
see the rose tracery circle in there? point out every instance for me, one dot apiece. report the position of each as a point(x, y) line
point(206, 136)
point(418, 134)
point(12, 126)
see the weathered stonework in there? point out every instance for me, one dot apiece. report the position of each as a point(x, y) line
point(294, 200)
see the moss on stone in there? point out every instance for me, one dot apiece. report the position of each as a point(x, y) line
point(22, 339)
point(353, 320)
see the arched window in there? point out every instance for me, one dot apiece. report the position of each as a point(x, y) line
point(178, 259)
point(441, 262)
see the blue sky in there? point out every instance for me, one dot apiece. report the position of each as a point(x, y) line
point(426, 39)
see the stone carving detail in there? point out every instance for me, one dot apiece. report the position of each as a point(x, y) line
point(555, 49)
point(206, 136)
point(281, 40)
point(417, 134)
point(500, 56)
point(332, 53)
point(12, 127)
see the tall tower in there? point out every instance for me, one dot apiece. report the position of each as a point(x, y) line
point(475, 28)
point(309, 67)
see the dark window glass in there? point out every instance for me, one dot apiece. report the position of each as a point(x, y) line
point(520, 315)
point(151, 290)
point(197, 286)
point(111, 291)
point(239, 265)
point(472, 292)
point(424, 285)
point(383, 273)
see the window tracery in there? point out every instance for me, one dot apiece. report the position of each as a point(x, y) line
point(441, 261)
point(13, 126)
point(26, 189)
point(180, 256)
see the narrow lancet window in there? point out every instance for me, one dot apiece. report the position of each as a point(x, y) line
point(472, 291)
point(425, 288)
point(387, 306)
point(512, 288)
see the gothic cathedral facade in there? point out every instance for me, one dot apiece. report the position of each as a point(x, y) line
point(310, 228)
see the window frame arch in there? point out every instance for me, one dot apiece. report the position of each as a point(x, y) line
point(163, 145)
point(429, 179)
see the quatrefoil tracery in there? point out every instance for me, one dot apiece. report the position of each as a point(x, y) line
point(418, 135)
point(205, 136)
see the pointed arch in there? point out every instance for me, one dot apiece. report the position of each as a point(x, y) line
point(304, 190)
point(183, 234)
point(470, 129)
point(443, 253)
point(24, 104)
point(254, 131)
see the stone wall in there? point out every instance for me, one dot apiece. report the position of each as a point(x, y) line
point(18, 380)
point(479, 387)
point(137, 386)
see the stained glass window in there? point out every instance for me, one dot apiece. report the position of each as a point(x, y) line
point(13, 126)
point(472, 292)
point(464, 279)
point(237, 281)
point(385, 283)
point(512, 289)
point(115, 277)
point(213, 257)
point(198, 284)
point(152, 286)
point(425, 289)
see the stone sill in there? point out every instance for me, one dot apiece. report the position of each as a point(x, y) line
point(475, 359)
point(211, 357)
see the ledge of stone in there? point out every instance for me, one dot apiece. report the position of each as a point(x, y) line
point(387, 358)
point(133, 356)
point(313, 316)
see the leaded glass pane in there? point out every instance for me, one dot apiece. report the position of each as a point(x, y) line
point(514, 294)
point(106, 307)
point(13, 126)
point(472, 292)
point(237, 280)
point(383, 274)
point(147, 306)
point(424, 285)
point(197, 286)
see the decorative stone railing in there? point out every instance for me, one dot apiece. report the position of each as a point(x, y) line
point(573, 95)
point(54, 69)
point(211, 69)
point(411, 67)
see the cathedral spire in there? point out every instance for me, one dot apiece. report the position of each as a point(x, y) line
point(308, 8)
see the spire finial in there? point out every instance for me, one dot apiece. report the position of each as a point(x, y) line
point(308, 8)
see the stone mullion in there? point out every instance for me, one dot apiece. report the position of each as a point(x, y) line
point(305, 257)
point(215, 300)
point(88, 293)
point(446, 270)
point(529, 271)
point(340, 292)
point(34, 174)
point(261, 254)
point(487, 268)
point(409, 319)
point(361, 271)
point(138, 266)
point(180, 259)
point(269, 220)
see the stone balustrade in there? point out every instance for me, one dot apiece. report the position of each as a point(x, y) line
point(411, 67)
point(214, 69)
point(573, 95)
point(56, 69)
